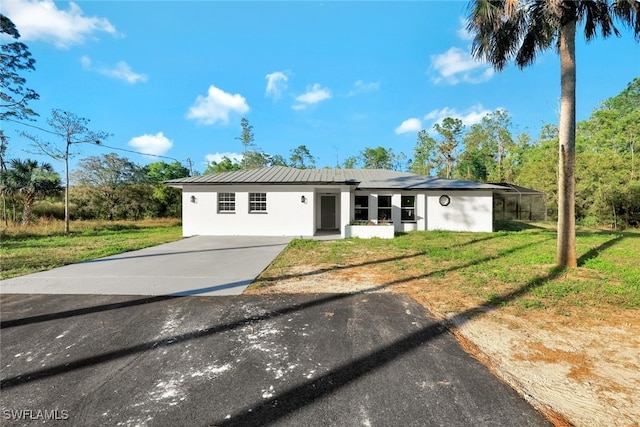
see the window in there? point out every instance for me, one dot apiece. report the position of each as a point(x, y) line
point(384, 208)
point(226, 202)
point(257, 202)
point(445, 200)
point(408, 208)
point(362, 208)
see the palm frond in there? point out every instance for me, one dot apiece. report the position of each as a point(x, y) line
point(539, 34)
point(595, 14)
point(628, 11)
point(519, 30)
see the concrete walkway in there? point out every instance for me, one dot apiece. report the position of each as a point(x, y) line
point(192, 266)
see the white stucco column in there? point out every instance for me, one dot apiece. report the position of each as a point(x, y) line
point(345, 209)
point(421, 211)
point(396, 214)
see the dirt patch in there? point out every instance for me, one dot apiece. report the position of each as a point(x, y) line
point(579, 368)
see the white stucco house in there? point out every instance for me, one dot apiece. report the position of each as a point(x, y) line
point(284, 201)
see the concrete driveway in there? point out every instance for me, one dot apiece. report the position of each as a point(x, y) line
point(290, 360)
point(193, 266)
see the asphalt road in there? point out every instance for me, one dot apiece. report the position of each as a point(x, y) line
point(290, 360)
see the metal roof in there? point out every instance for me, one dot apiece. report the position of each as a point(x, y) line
point(361, 178)
point(512, 188)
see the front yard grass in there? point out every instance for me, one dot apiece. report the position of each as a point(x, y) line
point(451, 271)
point(43, 246)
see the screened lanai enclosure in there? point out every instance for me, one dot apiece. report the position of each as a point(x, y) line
point(519, 203)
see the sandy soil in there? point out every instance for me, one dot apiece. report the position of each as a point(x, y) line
point(581, 369)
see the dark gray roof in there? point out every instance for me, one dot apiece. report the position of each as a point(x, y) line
point(361, 178)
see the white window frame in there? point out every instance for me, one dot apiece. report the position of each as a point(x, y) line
point(257, 202)
point(386, 208)
point(226, 202)
point(408, 208)
point(364, 209)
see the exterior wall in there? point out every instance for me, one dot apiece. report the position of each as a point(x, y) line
point(396, 209)
point(286, 214)
point(468, 211)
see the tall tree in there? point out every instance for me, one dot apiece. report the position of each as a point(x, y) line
point(165, 200)
point(277, 160)
point(381, 158)
point(15, 58)
point(425, 159)
point(488, 147)
point(163, 171)
point(519, 30)
point(450, 132)
point(246, 138)
point(224, 165)
point(302, 158)
point(106, 178)
point(29, 180)
point(606, 171)
point(253, 159)
point(350, 162)
point(74, 131)
point(616, 123)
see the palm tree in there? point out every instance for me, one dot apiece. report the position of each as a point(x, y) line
point(30, 180)
point(519, 30)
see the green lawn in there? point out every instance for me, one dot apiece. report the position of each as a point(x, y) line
point(514, 268)
point(42, 247)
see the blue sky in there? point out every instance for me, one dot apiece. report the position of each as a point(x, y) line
point(174, 78)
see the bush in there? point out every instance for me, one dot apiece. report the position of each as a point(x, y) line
point(590, 221)
point(45, 209)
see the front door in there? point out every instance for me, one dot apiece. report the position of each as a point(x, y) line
point(328, 212)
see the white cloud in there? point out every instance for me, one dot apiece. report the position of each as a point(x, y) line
point(456, 65)
point(216, 106)
point(362, 87)
point(462, 32)
point(86, 62)
point(313, 95)
point(410, 125)
point(469, 117)
point(122, 71)
point(42, 20)
point(276, 84)
point(157, 144)
point(217, 157)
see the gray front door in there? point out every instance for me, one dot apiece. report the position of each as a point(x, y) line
point(328, 212)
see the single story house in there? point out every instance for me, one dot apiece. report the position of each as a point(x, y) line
point(284, 201)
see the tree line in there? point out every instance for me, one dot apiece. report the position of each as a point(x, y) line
point(112, 187)
point(607, 183)
point(607, 175)
point(105, 187)
point(596, 178)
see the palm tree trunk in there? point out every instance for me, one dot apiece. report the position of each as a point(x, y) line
point(29, 200)
point(5, 216)
point(566, 251)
